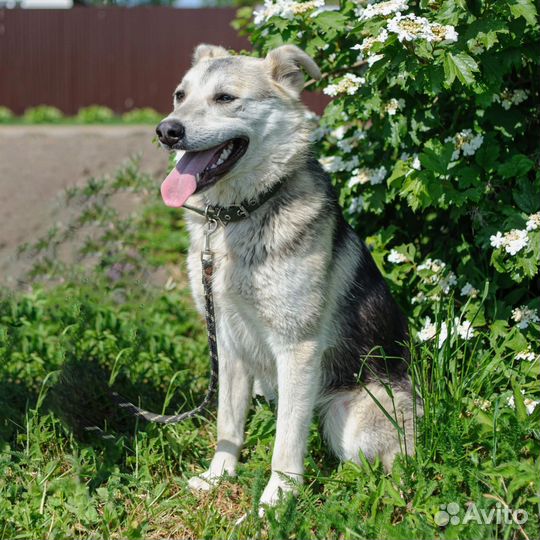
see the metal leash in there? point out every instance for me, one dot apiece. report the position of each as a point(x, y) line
point(207, 261)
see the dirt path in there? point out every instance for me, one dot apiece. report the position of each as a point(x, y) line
point(38, 162)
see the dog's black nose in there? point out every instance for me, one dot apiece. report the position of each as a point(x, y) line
point(170, 132)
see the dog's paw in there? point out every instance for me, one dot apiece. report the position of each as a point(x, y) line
point(198, 483)
point(210, 479)
point(278, 486)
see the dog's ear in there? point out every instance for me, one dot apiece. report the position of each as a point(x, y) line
point(208, 51)
point(286, 63)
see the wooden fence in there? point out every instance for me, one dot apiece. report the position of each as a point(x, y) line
point(119, 57)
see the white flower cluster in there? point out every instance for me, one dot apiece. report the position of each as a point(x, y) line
point(339, 132)
point(411, 27)
point(347, 145)
point(463, 329)
point(507, 98)
point(530, 404)
point(524, 316)
point(349, 84)
point(367, 176)
point(381, 9)
point(527, 355)
point(286, 9)
point(415, 163)
point(446, 281)
point(435, 265)
point(393, 105)
point(515, 240)
point(512, 241)
point(469, 290)
point(533, 222)
point(356, 204)
point(336, 163)
point(465, 141)
point(396, 257)
point(368, 42)
point(482, 404)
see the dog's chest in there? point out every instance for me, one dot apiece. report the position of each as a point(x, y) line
point(256, 283)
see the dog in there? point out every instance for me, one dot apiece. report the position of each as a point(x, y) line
point(303, 314)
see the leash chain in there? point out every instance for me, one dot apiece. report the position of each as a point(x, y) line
point(215, 216)
point(207, 261)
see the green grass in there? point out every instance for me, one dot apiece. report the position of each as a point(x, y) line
point(61, 343)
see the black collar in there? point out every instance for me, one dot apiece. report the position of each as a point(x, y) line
point(236, 212)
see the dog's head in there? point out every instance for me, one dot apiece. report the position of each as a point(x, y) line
point(239, 122)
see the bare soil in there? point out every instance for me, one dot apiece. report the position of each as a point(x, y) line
point(38, 162)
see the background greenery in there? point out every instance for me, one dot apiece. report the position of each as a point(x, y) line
point(94, 114)
point(77, 329)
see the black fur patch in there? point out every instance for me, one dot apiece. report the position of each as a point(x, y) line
point(373, 330)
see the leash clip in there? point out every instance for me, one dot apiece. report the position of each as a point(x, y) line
point(211, 228)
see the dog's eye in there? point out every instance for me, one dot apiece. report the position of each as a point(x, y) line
point(224, 98)
point(179, 95)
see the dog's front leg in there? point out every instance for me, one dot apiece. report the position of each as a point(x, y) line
point(234, 395)
point(298, 370)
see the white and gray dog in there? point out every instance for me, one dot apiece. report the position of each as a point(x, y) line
point(303, 314)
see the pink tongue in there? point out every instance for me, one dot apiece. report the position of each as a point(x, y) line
point(177, 188)
point(181, 182)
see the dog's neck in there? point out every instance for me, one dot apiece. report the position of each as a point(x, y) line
point(238, 212)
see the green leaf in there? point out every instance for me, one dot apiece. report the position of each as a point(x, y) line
point(518, 166)
point(521, 410)
point(460, 65)
point(526, 196)
point(399, 172)
point(485, 31)
point(330, 20)
point(415, 191)
point(525, 9)
point(486, 156)
point(468, 177)
point(437, 159)
point(528, 265)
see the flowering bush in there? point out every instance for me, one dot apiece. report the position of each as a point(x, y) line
point(431, 139)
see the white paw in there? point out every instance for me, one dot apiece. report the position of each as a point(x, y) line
point(198, 483)
point(278, 486)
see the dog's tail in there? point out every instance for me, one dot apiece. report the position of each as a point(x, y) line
point(371, 419)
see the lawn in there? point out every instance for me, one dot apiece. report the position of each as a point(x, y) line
point(109, 322)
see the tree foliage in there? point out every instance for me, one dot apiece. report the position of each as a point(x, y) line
point(431, 139)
